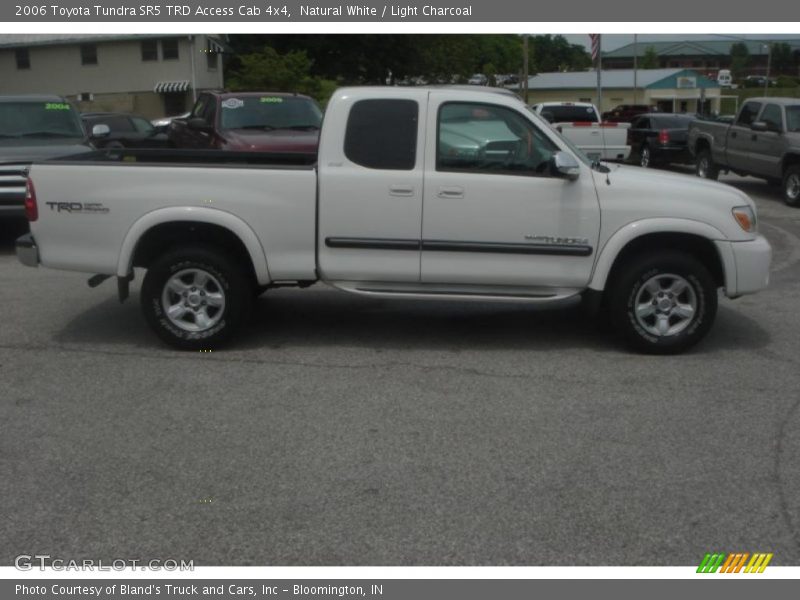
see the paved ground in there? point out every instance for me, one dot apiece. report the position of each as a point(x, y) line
point(350, 431)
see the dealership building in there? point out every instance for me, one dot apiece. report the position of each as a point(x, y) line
point(669, 90)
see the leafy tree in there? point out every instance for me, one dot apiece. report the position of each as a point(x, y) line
point(388, 58)
point(782, 57)
point(740, 59)
point(555, 53)
point(266, 69)
point(650, 59)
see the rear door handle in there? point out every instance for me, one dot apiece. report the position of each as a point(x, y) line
point(451, 192)
point(401, 190)
point(754, 138)
point(733, 134)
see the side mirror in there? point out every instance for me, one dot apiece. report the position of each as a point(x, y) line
point(759, 126)
point(100, 130)
point(565, 165)
point(199, 124)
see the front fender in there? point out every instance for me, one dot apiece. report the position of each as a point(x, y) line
point(627, 233)
point(197, 214)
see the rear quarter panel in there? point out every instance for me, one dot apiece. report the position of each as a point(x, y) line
point(278, 205)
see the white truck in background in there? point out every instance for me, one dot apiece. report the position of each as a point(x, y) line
point(580, 123)
point(425, 193)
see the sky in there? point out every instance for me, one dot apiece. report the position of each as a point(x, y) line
point(613, 41)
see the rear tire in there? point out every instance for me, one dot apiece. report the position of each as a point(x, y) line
point(663, 303)
point(195, 298)
point(705, 167)
point(791, 186)
point(646, 157)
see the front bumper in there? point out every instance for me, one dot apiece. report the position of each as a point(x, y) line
point(751, 261)
point(27, 251)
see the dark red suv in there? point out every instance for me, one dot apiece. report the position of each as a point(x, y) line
point(250, 122)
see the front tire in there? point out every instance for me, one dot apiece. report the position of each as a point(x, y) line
point(705, 167)
point(663, 303)
point(195, 298)
point(791, 186)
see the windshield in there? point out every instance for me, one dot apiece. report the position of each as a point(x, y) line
point(577, 151)
point(570, 114)
point(793, 118)
point(270, 112)
point(38, 120)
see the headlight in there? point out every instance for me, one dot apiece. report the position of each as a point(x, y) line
point(745, 217)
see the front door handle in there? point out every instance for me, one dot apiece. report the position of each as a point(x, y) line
point(401, 190)
point(733, 134)
point(451, 192)
point(753, 138)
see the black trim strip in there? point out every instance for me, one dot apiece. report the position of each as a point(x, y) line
point(372, 243)
point(451, 246)
point(454, 293)
point(503, 248)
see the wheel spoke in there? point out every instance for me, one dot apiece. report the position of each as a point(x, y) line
point(215, 299)
point(177, 286)
point(176, 311)
point(685, 311)
point(678, 286)
point(200, 279)
point(645, 309)
point(202, 320)
point(662, 324)
point(653, 286)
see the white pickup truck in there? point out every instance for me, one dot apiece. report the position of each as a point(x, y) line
point(581, 124)
point(416, 193)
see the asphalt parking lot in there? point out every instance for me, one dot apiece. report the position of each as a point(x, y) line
point(354, 431)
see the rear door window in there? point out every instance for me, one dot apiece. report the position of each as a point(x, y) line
point(382, 134)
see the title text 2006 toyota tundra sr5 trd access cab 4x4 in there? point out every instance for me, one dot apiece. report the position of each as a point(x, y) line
point(416, 193)
point(763, 141)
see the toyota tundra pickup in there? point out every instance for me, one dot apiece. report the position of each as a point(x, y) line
point(416, 193)
point(763, 141)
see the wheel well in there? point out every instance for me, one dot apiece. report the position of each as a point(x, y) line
point(790, 160)
point(159, 239)
point(699, 247)
point(700, 145)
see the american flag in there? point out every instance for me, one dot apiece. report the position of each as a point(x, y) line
point(595, 37)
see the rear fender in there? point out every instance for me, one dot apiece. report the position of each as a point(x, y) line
point(200, 215)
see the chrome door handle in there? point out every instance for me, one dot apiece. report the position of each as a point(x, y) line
point(401, 190)
point(451, 192)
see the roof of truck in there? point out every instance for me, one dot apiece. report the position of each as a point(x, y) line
point(775, 100)
point(32, 98)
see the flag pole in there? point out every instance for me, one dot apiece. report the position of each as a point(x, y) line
point(599, 77)
point(635, 66)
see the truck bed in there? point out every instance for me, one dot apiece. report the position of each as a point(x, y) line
point(93, 202)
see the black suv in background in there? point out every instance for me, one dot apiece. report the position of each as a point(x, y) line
point(122, 130)
point(34, 127)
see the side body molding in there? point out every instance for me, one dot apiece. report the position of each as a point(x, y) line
point(629, 232)
point(200, 215)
